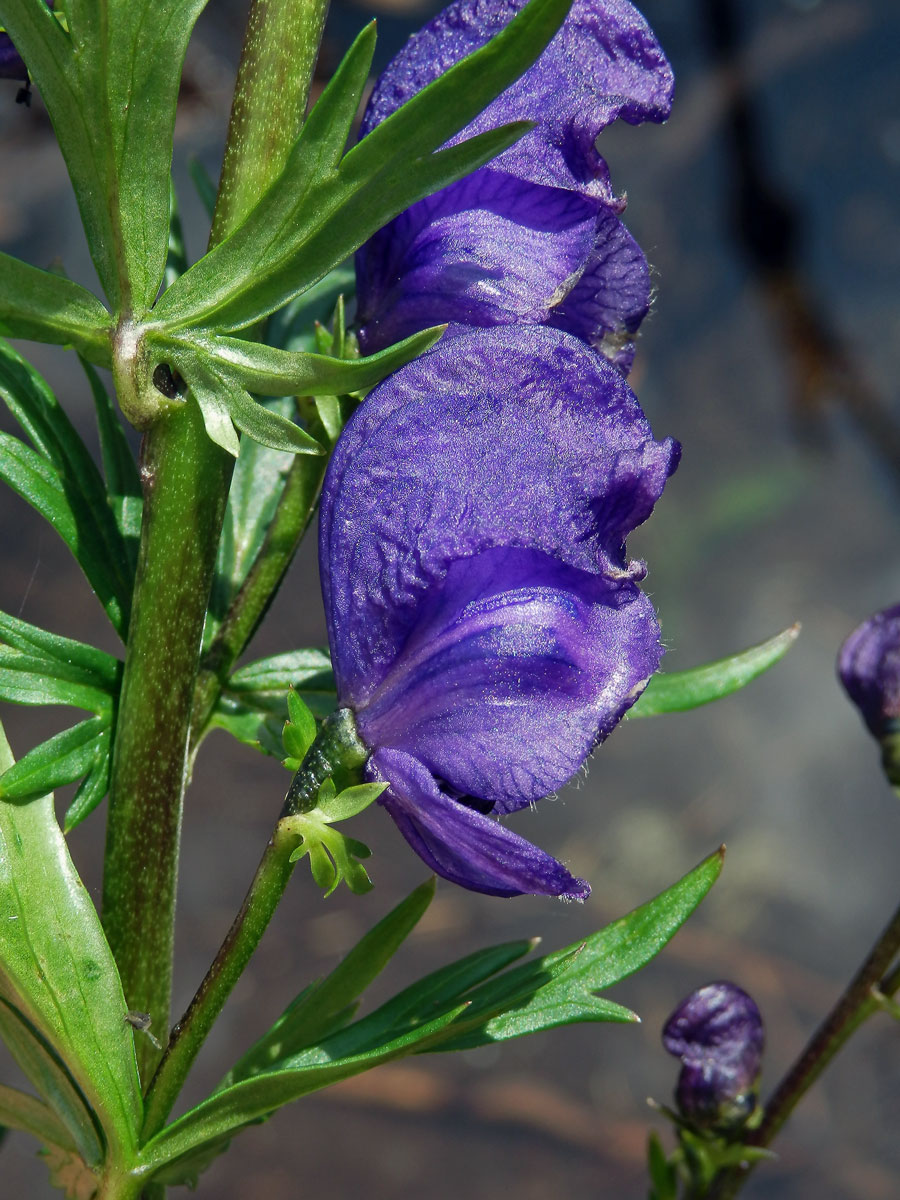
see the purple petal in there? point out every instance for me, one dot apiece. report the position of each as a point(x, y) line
point(869, 668)
point(507, 437)
point(604, 63)
point(612, 296)
point(489, 250)
point(462, 845)
point(516, 668)
point(493, 250)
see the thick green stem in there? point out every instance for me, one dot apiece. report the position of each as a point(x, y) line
point(337, 749)
point(859, 1001)
point(185, 484)
point(279, 56)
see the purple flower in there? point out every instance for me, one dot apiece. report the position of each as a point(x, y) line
point(869, 668)
point(717, 1032)
point(485, 625)
point(534, 236)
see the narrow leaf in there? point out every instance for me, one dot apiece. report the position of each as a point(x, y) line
point(20, 1111)
point(351, 800)
point(71, 659)
point(678, 691)
point(48, 1074)
point(61, 759)
point(57, 966)
point(560, 997)
point(40, 484)
point(272, 372)
point(313, 1013)
point(266, 426)
point(209, 392)
point(305, 670)
point(258, 1097)
point(45, 307)
point(95, 784)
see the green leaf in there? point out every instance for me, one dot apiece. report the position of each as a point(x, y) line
point(176, 260)
point(564, 985)
point(45, 307)
point(57, 967)
point(60, 480)
point(95, 784)
point(306, 670)
point(123, 482)
point(43, 1068)
point(37, 667)
point(266, 426)
point(350, 801)
point(290, 327)
point(325, 1003)
point(20, 1111)
point(663, 1178)
point(313, 218)
point(70, 659)
point(332, 854)
point(61, 759)
point(251, 1099)
point(273, 372)
point(300, 728)
point(208, 389)
point(256, 487)
point(678, 691)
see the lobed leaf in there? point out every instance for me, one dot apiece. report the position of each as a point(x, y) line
point(678, 691)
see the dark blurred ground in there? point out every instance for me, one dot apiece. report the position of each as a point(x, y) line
point(778, 370)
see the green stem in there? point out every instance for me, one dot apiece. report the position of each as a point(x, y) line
point(185, 483)
point(281, 45)
point(337, 749)
point(858, 1002)
point(292, 518)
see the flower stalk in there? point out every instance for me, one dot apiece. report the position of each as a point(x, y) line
point(337, 750)
point(874, 982)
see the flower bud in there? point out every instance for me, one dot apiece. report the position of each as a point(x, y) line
point(717, 1032)
point(869, 669)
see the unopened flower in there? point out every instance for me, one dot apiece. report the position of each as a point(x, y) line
point(485, 625)
point(534, 236)
point(869, 669)
point(717, 1032)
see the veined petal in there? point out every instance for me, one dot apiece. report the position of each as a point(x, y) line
point(517, 667)
point(489, 250)
point(462, 845)
point(604, 63)
point(510, 437)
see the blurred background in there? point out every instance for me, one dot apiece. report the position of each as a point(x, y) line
point(768, 207)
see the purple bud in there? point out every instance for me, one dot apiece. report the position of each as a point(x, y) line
point(717, 1032)
point(869, 669)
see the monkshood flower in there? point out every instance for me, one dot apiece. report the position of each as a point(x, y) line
point(869, 669)
point(485, 625)
point(717, 1032)
point(534, 236)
